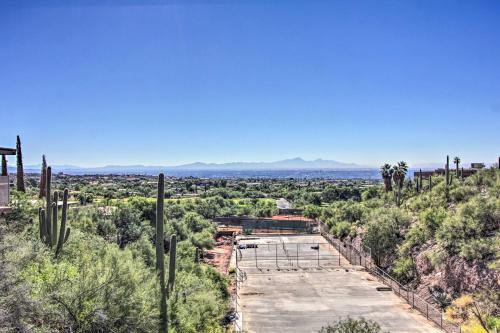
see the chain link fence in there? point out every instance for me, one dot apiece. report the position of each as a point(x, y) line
point(363, 258)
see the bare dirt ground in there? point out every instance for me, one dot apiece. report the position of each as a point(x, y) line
point(289, 290)
point(220, 255)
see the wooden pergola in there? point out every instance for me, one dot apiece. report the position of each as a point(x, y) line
point(4, 180)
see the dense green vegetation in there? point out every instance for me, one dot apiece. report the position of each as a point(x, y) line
point(424, 234)
point(104, 279)
point(437, 228)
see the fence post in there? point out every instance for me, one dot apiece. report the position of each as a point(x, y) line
point(236, 251)
point(297, 254)
point(255, 251)
point(413, 299)
point(276, 245)
point(318, 256)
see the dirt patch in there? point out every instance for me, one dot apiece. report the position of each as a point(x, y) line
point(220, 256)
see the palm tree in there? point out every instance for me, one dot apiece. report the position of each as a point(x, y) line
point(386, 171)
point(456, 160)
point(399, 175)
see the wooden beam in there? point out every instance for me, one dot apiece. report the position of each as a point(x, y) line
point(7, 151)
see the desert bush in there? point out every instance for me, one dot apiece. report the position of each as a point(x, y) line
point(383, 233)
point(350, 325)
point(465, 231)
point(95, 288)
point(404, 269)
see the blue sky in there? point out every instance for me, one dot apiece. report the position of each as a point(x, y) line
point(218, 81)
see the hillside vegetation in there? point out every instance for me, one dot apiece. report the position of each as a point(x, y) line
point(442, 240)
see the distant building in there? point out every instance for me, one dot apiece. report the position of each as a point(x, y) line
point(285, 207)
point(477, 166)
point(474, 167)
point(282, 203)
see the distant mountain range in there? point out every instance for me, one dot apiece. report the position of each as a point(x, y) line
point(287, 164)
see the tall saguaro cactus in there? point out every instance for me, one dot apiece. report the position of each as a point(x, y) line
point(447, 171)
point(420, 178)
point(48, 217)
point(43, 176)
point(160, 253)
point(20, 170)
point(48, 205)
point(160, 256)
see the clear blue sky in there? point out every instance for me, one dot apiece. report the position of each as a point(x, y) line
point(355, 81)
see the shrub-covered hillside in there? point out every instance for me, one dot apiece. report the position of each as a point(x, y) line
point(442, 240)
point(104, 279)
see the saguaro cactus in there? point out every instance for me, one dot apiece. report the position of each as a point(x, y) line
point(43, 176)
point(160, 253)
point(20, 170)
point(48, 206)
point(171, 267)
point(447, 171)
point(48, 218)
point(63, 232)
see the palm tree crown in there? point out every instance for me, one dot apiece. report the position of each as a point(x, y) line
point(386, 170)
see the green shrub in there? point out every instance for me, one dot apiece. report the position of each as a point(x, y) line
point(383, 233)
point(95, 287)
point(463, 232)
point(404, 269)
point(478, 249)
point(341, 229)
point(350, 325)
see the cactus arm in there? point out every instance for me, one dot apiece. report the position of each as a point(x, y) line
point(63, 233)
point(171, 267)
point(67, 235)
point(54, 220)
point(43, 228)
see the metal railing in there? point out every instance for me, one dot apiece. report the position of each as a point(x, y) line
point(240, 277)
point(363, 258)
